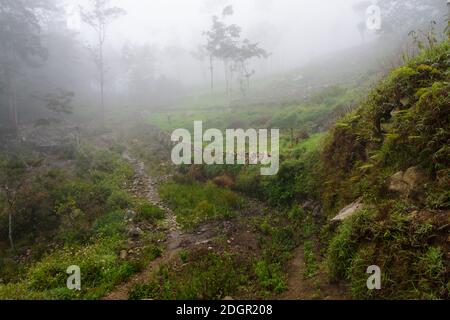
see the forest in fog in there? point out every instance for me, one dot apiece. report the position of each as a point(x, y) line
point(92, 93)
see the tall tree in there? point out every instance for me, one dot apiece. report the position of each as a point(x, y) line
point(221, 41)
point(12, 175)
point(244, 53)
point(99, 18)
point(224, 43)
point(20, 44)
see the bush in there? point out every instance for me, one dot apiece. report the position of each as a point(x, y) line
point(109, 225)
point(100, 267)
point(151, 213)
point(270, 276)
point(197, 203)
point(224, 181)
point(205, 275)
point(119, 200)
point(343, 246)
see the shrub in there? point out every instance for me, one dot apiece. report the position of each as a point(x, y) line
point(197, 203)
point(150, 212)
point(270, 276)
point(119, 200)
point(206, 275)
point(224, 181)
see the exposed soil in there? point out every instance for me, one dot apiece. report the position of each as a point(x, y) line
point(176, 239)
point(301, 288)
point(238, 235)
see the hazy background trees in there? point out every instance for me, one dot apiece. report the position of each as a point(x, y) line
point(224, 43)
point(43, 52)
point(99, 17)
point(20, 46)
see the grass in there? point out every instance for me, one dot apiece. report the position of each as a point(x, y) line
point(403, 123)
point(197, 203)
point(206, 275)
point(310, 259)
point(89, 230)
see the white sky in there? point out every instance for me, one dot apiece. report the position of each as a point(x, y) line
point(294, 31)
point(166, 22)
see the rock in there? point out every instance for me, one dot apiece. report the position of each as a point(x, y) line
point(135, 232)
point(349, 211)
point(408, 182)
point(415, 178)
point(130, 215)
point(123, 254)
point(397, 184)
point(313, 207)
point(199, 243)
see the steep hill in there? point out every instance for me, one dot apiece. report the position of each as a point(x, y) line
point(392, 156)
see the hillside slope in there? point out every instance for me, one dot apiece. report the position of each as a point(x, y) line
point(393, 154)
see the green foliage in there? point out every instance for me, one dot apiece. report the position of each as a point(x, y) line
point(109, 225)
point(150, 212)
point(100, 267)
point(205, 275)
point(310, 259)
point(270, 276)
point(83, 211)
point(197, 203)
point(342, 247)
point(119, 200)
point(404, 122)
point(412, 264)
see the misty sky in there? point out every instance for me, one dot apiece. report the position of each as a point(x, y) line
point(293, 30)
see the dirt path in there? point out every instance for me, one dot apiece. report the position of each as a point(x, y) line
point(300, 288)
point(144, 185)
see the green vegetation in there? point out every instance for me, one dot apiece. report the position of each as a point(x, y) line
point(149, 212)
point(78, 215)
point(403, 124)
point(196, 203)
point(207, 275)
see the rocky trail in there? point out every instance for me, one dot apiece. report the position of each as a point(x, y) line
point(146, 186)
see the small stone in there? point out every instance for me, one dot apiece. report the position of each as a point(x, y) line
point(349, 211)
point(130, 215)
point(123, 254)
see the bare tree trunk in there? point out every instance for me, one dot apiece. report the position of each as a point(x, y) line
point(211, 69)
point(102, 85)
point(10, 234)
point(13, 115)
point(227, 88)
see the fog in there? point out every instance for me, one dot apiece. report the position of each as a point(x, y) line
point(293, 32)
point(149, 54)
